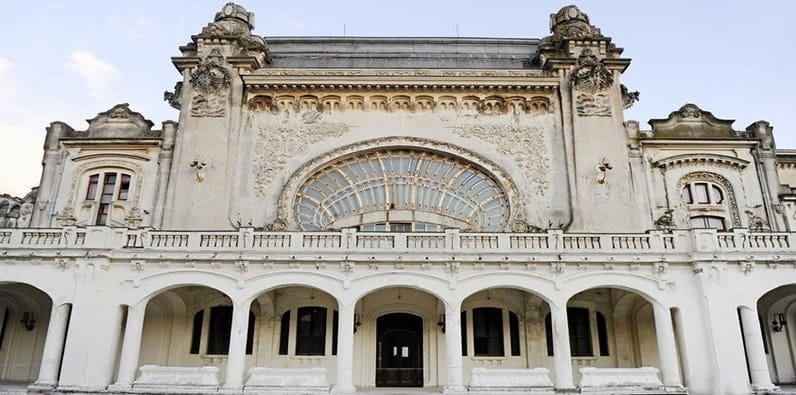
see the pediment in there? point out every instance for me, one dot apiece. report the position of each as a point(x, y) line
point(701, 160)
point(119, 122)
point(691, 122)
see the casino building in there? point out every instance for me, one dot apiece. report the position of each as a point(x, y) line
point(354, 214)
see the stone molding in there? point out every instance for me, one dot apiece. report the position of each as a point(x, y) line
point(701, 159)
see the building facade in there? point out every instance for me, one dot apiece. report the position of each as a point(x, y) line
point(465, 215)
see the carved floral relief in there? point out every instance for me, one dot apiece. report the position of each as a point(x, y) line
point(591, 79)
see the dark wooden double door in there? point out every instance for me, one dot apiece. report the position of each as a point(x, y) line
point(399, 350)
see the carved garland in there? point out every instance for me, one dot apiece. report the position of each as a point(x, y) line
point(516, 206)
point(717, 179)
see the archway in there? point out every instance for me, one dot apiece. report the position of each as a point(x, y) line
point(399, 350)
point(776, 316)
point(619, 333)
point(399, 338)
point(24, 321)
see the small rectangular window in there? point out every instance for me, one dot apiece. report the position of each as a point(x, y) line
point(579, 332)
point(602, 335)
point(220, 329)
point(196, 333)
point(91, 191)
point(514, 334)
point(488, 332)
point(548, 330)
point(250, 335)
point(311, 331)
point(3, 328)
point(335, 324)
point(102, 213)
point(124, 187)
point(464, 333)
point(284, 333)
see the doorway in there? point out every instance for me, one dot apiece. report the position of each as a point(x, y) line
point(399, 350)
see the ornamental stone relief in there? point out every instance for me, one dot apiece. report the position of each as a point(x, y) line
point(279, 138)
point(525, 143)
point(210, 81)
point(591, 79)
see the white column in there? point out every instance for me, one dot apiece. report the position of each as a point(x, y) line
point(758, 366)
point(131, 346)
point(53, 346)
point(453, 349)
point(345, 350)
point(562, 360)
point(236, 358)
point(667, 347)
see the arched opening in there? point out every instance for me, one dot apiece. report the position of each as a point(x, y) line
point(776, 317)
point(399, 350)
point(618, 336)
point(297, 339)
point(504, 340)
point(24, 322)
point(403, 189)
point(184, 338)
point(399, 339)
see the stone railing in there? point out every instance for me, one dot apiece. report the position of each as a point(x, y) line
point(654, 243)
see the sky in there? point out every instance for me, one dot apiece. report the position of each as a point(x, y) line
point(69, 60)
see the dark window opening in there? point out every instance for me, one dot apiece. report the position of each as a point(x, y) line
point(250, 335)
point(708, 222)
point(602, 335)
point(284, 333)
point(514, 334)
point(335, 324)
point(196, 333)
point(548, 330)
point(464, 333)
point(219, 330)
point(311, 331)
point(3, 328)
point(488, 332)
point(579, 332)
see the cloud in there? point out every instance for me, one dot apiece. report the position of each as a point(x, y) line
point(99, 75)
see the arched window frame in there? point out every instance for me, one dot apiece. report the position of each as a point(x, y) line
point(511, 334)
point(77, 203)
point(725, 208)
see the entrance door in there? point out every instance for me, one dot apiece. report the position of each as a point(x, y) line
point(399, 350)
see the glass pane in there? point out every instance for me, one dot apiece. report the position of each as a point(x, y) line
point(311, 331)
point(124, 187)
point(284, 333)
point(698, 222)
point(701, 192)
point(716, 223)
point(718, 196)
point(488, 331)
point(219, 330)
point(687, 195)
point(91, 191)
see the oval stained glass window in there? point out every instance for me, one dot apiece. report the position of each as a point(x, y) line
point(406, 184)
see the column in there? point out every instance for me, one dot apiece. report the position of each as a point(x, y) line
point(131, 346)
point(236, 359)
point(562, 360)
point(345, 350)
point(758, 366)
point(667, 347)
point(453, 348)
point(53, 346)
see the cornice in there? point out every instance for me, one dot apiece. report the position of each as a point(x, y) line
point(401, 79)
point(700, 159)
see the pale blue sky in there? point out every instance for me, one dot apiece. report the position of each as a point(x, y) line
point(68, 60)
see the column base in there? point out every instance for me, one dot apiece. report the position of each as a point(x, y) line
point(567, 389)
point(120, 387)
point(42, 386)
point(454, 389)
point(764, 388)
point(343, 389)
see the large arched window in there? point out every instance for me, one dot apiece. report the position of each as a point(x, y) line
point(401, 189)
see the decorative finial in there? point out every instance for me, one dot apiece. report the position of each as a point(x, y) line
point(571, 23)
point(232, 11)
